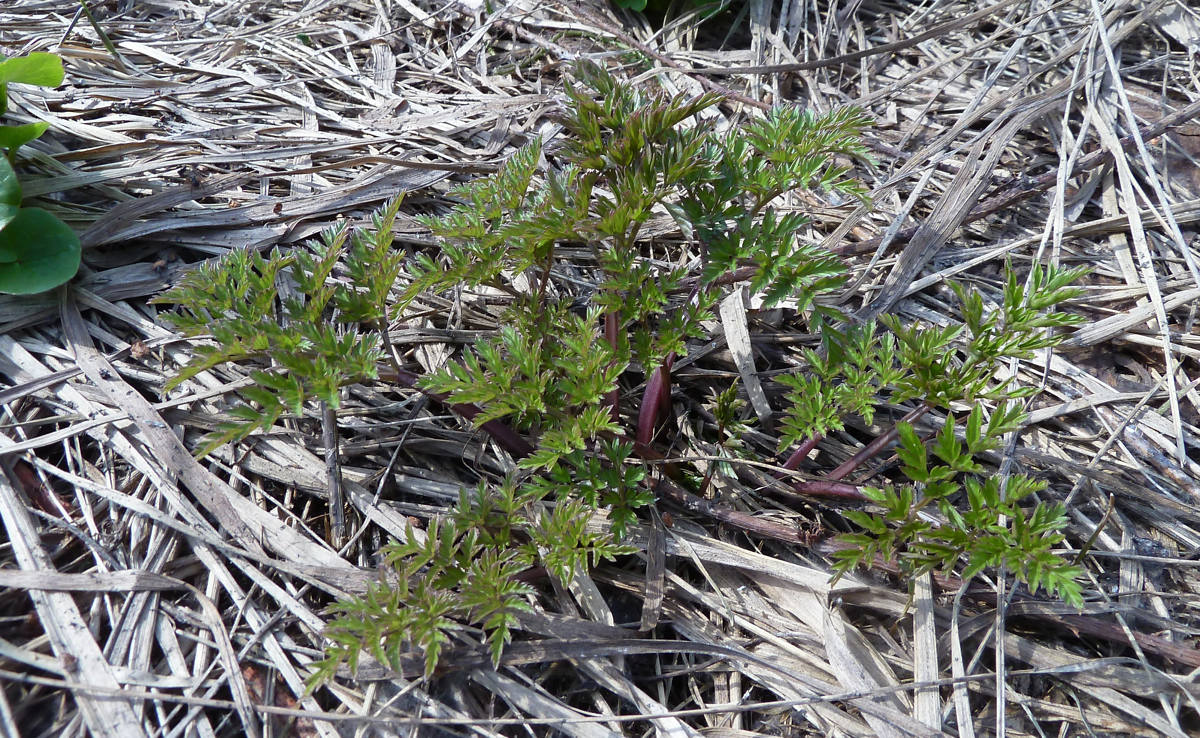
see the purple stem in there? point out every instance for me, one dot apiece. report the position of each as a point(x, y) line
point(508, 438)
point(656, 397)
point(802, 451)
point(610, 334)
point(877, 445)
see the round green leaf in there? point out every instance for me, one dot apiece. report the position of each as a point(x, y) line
point(12, 137)
point(41, 252)
point(38, 68)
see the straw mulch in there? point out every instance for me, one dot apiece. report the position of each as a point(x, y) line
point(147, 593)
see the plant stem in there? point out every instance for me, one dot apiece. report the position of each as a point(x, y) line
point(611, 326)
point(104, 39)
point(656, 397)
point(874, 447)
point(508, 438)
point(337, 504)
point(802, 451)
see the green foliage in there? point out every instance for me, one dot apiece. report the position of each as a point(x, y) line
point(463, 569)
point(994, 530)
point(551, 381)
point(309, 321)
point(845, 377)
point(934, 365)
point(37, 250)
point(38, 68)
point(629, 153)
point(309, 331)
point(930, 365)
point(726, 407)
point(729, 207)
point(940, 374)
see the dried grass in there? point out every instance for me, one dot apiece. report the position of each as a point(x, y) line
point(177, 598)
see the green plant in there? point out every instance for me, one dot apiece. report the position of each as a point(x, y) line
point(995, 529)
point(546, 386)
point(323, 335)
point(37, 250)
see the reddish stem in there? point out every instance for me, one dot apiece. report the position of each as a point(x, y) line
point(508, 438)
point(874, 447)
point(610, 334)
point(837, 490)
point(656, 397)
point(802, 451)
